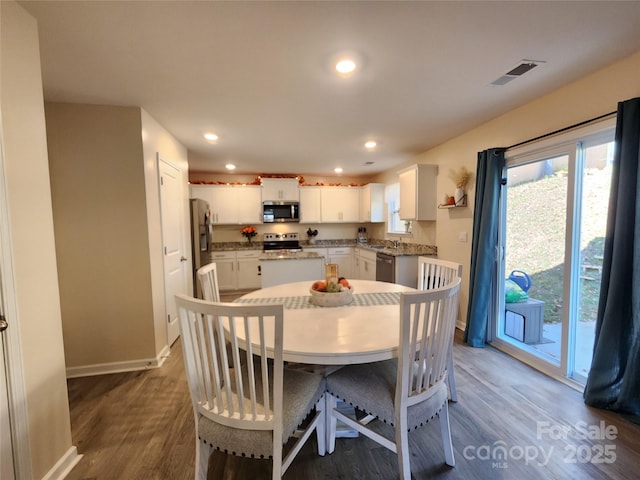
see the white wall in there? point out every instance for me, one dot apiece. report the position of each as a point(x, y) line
point(31, 224)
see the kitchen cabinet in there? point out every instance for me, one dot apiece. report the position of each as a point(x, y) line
point(280, 189)
point(372, 203)
point(310, 211)
point(238, 270)
point(343, 257)
point(418, 192)
point(248, 270)
point(279, 271)
point(226, 269)
point(366, 264)
point(231, 204)
point(340, 204)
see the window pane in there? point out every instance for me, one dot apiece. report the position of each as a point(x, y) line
point(535, 244)
point(392, 196)
point(593, 224)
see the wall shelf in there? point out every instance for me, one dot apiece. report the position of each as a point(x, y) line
point(461, 203)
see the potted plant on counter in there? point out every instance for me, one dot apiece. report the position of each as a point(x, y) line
point(249, 232)
point(311, 235)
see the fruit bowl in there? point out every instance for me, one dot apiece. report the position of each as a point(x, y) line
point(331, 299)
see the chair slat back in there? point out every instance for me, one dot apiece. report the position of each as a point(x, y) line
point(248, 397)
point(208, 278)
point(434, 273)
point(427, 322)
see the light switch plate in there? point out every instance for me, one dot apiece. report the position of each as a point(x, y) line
point(462, 237)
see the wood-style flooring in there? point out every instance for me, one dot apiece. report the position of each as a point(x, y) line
point(135, 426)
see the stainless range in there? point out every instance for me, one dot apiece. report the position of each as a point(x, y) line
point(281, 242)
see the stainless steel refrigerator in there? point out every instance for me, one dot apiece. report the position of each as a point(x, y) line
point(201, 230)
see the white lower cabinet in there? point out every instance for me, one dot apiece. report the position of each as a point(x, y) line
point(226, 269)
point(343, 257)
point(277, 272)
point(238, 270)
point(366, 264)
point(248, 269)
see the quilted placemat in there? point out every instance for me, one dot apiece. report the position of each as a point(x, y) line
point(359, 300)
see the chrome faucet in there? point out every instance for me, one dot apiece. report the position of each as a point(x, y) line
point(395, 243)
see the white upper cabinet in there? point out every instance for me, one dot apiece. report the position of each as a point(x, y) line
point(372, 203)
point(280, 190)
point(310, 211)
point(418, 192)
point(340, 204)
point(231, 204)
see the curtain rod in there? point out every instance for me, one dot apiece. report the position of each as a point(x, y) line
point(595, 119)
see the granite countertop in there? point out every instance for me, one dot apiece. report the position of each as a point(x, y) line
point(289, 255)
point(383, 246)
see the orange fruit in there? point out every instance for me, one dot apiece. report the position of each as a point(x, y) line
point(319, 286)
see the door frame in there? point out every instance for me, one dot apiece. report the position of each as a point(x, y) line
point(186, 265)
point(565, 143)
point(12, 347)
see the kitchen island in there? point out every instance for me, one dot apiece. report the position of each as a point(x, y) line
point(285, 267)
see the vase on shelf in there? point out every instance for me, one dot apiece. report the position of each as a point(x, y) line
point(458, 196)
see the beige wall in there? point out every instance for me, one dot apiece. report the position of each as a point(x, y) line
point(31, 224)
point(102, 241)
point(156, 140)
point(104, 177)
point(586, 98)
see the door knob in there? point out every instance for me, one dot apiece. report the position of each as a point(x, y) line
point(183, 259)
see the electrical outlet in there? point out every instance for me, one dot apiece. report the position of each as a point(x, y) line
point(462, 237)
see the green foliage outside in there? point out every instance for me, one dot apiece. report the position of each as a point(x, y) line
point(536, 238)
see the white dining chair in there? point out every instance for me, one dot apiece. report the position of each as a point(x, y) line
point(250, 411)
point(409, 391)
point(208, 278)
point(434, 273)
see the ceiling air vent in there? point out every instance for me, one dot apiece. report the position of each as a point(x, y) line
point(517, 71)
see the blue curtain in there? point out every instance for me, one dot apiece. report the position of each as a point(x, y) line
point(484, 243)
point(614, 379)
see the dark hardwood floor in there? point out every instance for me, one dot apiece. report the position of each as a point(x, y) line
point(140, 426)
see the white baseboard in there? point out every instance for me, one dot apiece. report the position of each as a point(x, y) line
point(460, 325)
point(63, 467)
point(119, 367)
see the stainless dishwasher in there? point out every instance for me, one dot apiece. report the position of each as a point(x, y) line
point(385, 268)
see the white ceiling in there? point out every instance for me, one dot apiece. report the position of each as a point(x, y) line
point(258, 73)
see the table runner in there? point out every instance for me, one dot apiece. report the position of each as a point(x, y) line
point(359, 300)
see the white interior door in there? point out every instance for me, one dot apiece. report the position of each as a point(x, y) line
point(172, 206)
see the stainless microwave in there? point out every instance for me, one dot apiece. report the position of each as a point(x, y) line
point(280, 212)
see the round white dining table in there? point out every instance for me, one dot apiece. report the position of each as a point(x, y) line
point(362, 332)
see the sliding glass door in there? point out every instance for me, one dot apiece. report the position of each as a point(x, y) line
point(553, 212)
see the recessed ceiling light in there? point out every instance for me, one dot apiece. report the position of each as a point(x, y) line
point(230, 166)
point(370, 145)
point(338, 169)
point(346, 65)
point(211, 137)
